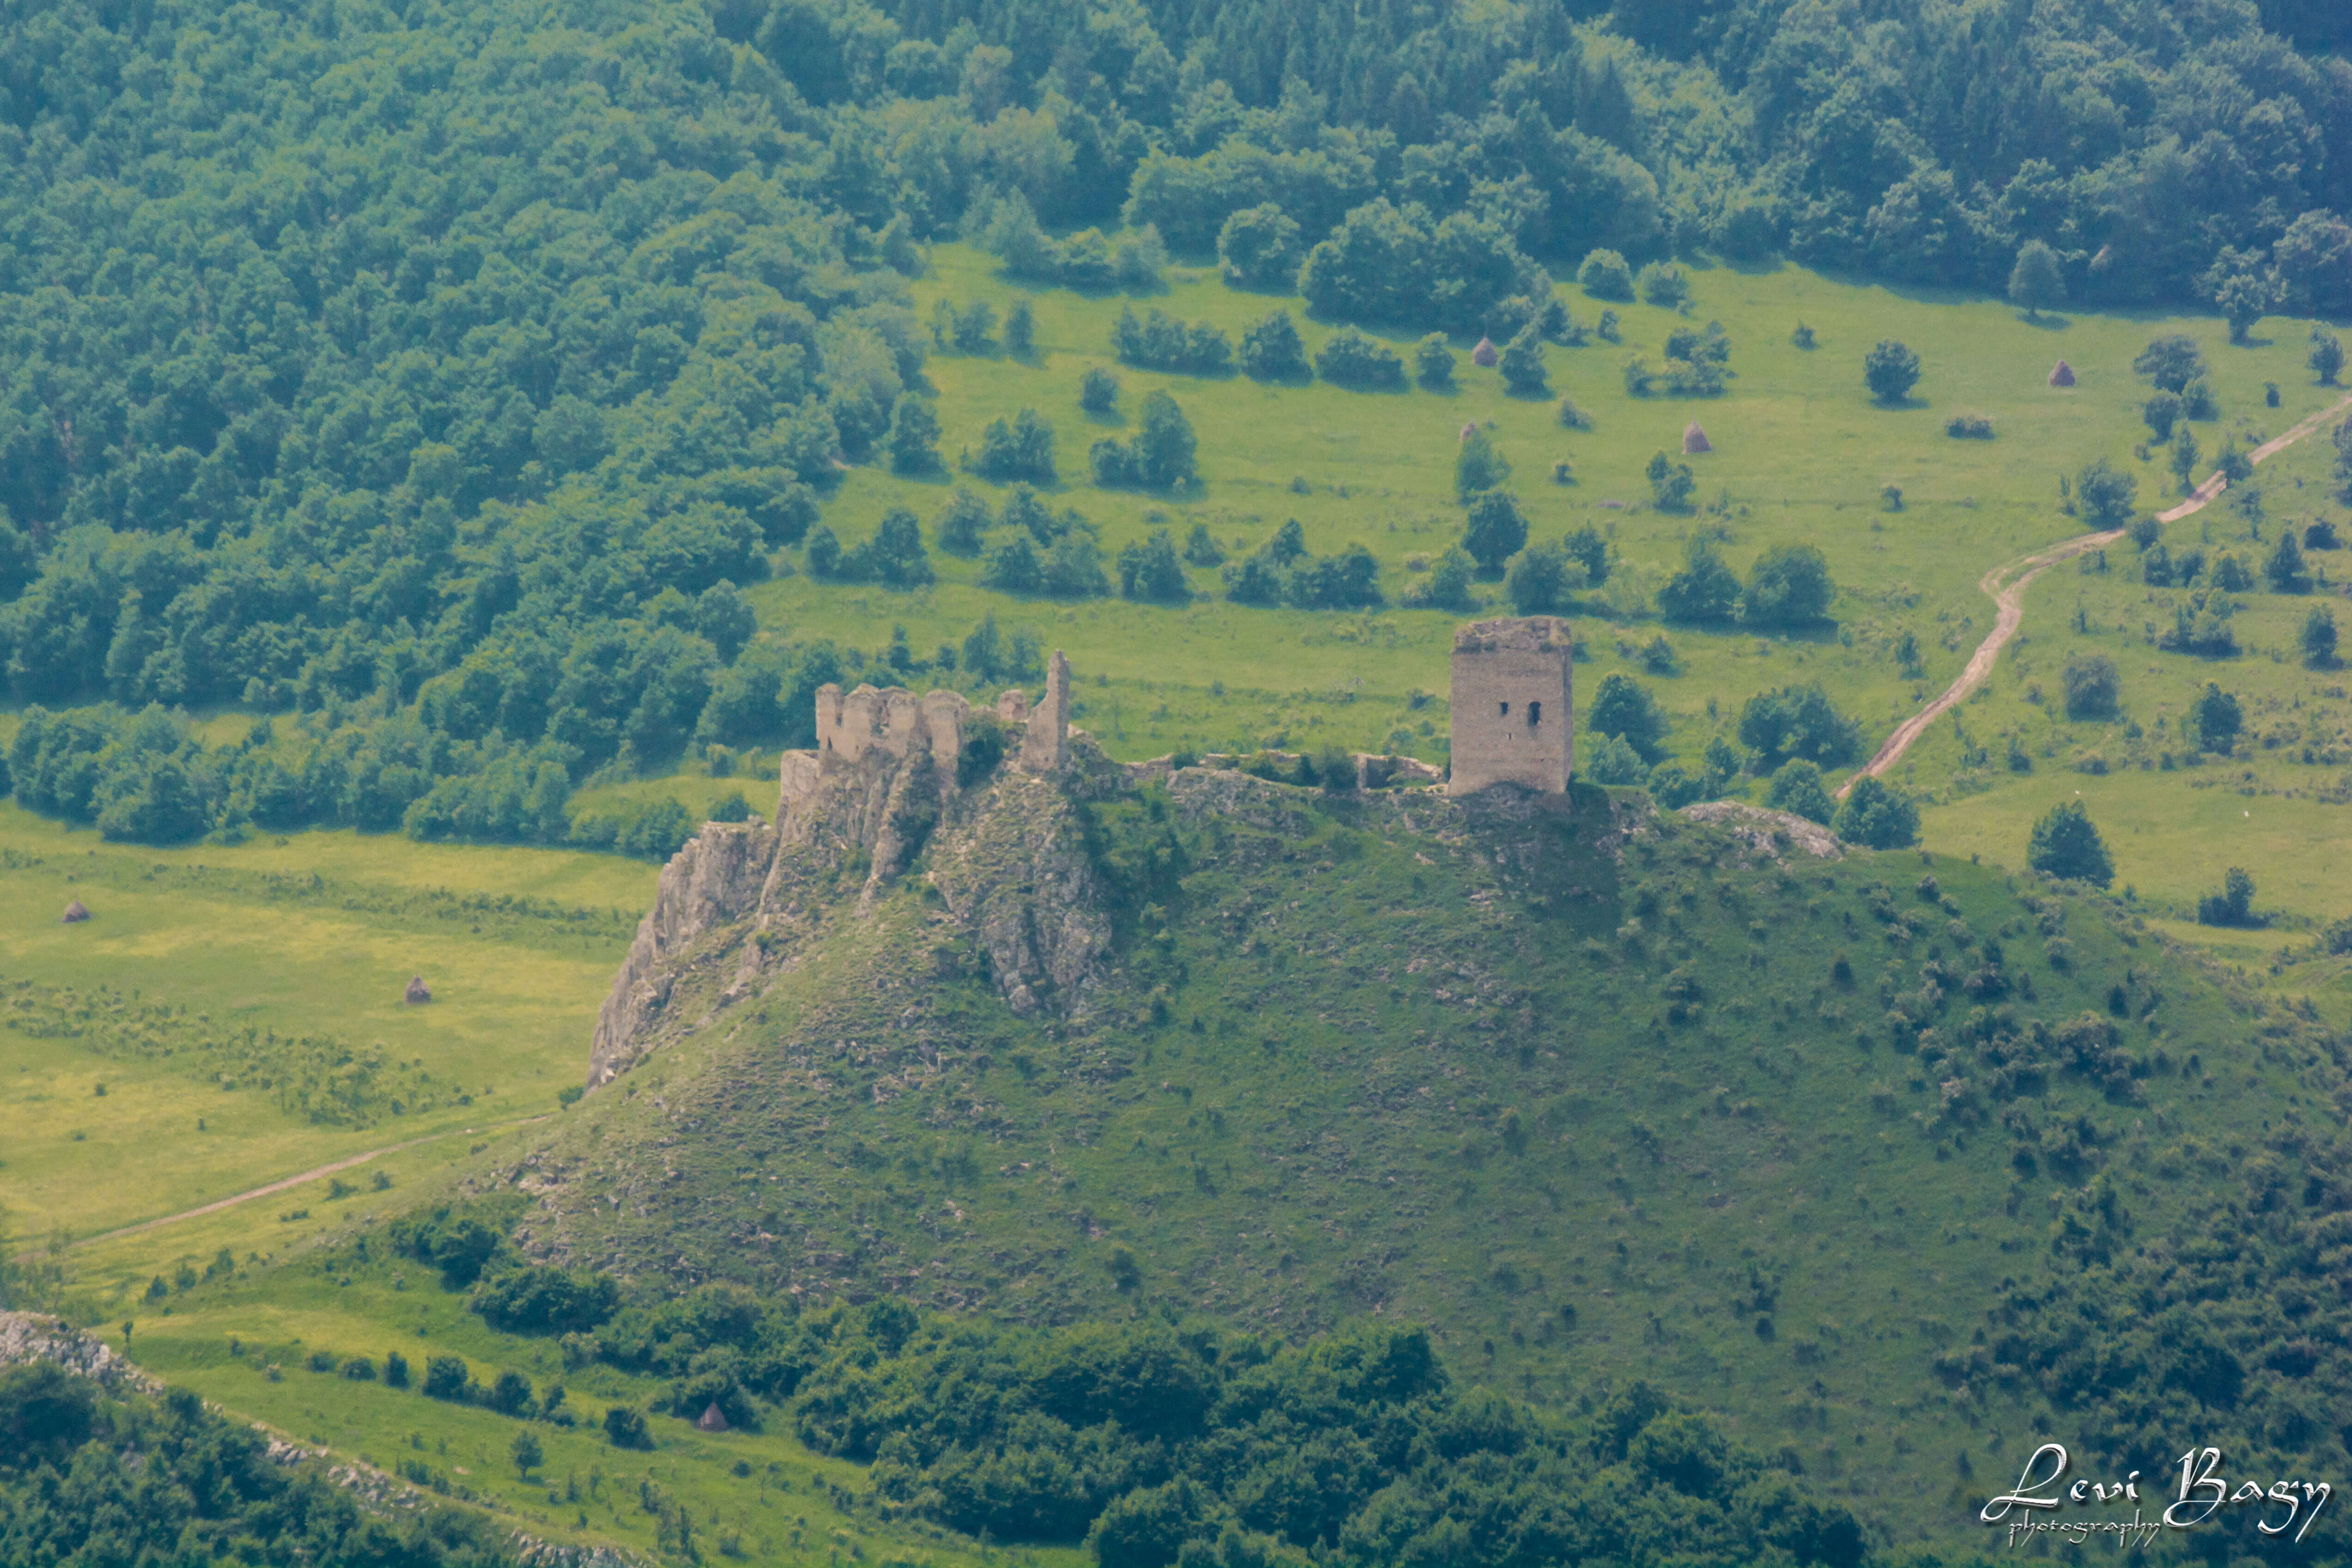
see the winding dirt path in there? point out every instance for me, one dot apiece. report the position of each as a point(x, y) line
point(2006, 583)
point(311, 1175)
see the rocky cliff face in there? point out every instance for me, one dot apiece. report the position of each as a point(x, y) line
point(893, 783)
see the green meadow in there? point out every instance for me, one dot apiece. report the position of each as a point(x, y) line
point(1801, 455)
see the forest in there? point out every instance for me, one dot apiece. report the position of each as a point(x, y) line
point(436, 379)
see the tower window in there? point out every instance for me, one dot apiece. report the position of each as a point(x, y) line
point(1506, 710)
point(1534, 714)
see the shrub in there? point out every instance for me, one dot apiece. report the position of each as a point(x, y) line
point(1876, 815)
point(1574, 418)
point(1796, 721)
point(1098, 391)
point(2233, 905)
point(1259, 248)
point(1663, 283)
point(1790, 585)
point(543, 1301)
point(2091, 686)
point(1201, 550)
point(445, 1378)
point(2216, 719)
point(2171, 362)
point(2065, 844)
point(1797, 787)
point(1605, 276)
point(2106, 494)
point(1432, 362)
point(1537, 584)
point(1623, 707)
point(1021, 449)
point(2161, 413)
point(1891, 370)
point(1703, 591)
point(963, 522)
point(1160, 342)
point(1448, 585)
point(2319, 638)
point(1671, 483)
point(1673, 788)
point(1271, 351)
point(2284, 568)
point(1477, 466)
point(1350, 358)
point(395, 1370)
point(626, 1428)
point(1969, 427)
point(1495, 531)
point(2326, 357)
point(1020, 329)
point(1152, 571)
point(1615, 762)
point(1523, 363)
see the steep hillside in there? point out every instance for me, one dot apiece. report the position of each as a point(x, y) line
point(1855, 1149)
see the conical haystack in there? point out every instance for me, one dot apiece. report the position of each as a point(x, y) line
point(76, 912)
point(1467, 429)
point(2061, 375)
point(1486, 353)
point(1694, 439)
point(418, 990)
point(712, 1420)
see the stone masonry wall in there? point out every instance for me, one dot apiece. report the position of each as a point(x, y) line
point(1514, 715)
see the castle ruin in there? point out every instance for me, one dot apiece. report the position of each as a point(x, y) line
point(897, 725)
point(1513, 715)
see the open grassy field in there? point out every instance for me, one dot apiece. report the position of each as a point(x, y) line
point(214, 988)
point(1801, 455)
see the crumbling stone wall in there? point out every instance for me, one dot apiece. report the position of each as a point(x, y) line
point(1513, 716)
point(1046, 743)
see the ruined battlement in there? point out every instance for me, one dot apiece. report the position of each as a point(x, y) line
point(1513, 710)
point(894, 722)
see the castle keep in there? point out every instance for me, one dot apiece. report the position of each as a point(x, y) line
point(1512, 710)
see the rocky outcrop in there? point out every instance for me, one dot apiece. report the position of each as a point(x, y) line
point(717, 881)
point(1772, 832)
point(29, 1337)
point(893, 778)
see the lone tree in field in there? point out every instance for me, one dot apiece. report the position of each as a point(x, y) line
point(2326, 357)
point(1892, 370)
point(914, 438)
point(2035, 282)
point(2065, 844)
point(2319, 638)
point(2092, 690)
point(1477, 466)
point(2233, 905)
point(527, 1454)
point(2104, 494)
point(2244, 298)
point(2171, 362)
point(1497, 530)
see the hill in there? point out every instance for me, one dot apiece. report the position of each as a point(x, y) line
point(1847, 1150)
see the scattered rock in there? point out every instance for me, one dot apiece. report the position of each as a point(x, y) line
point(76, 912)
point(418, 990)
point(1773, 832)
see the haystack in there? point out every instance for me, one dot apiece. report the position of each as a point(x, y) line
point(712, 1420)
point(2061, 375)
point(1485, 354)
point(418, 990)
point(1694, 439)
point(1467, 429)
point(76, 912)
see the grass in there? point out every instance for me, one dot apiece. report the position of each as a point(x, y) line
point(1576, 1118)
point(1801, 455)
point(308, 937)
point(786, 1506)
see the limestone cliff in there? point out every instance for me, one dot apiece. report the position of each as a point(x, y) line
point(990, 799)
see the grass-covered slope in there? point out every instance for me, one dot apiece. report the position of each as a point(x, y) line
point(1854, 1151)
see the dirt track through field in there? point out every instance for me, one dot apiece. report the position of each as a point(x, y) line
point(2005, 584)
point(343, 1164)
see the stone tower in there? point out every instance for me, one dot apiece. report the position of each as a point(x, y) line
point(1045, 740)
point(1512, 712)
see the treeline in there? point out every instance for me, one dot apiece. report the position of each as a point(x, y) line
point(88, 1477)
point(1159, 1444)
